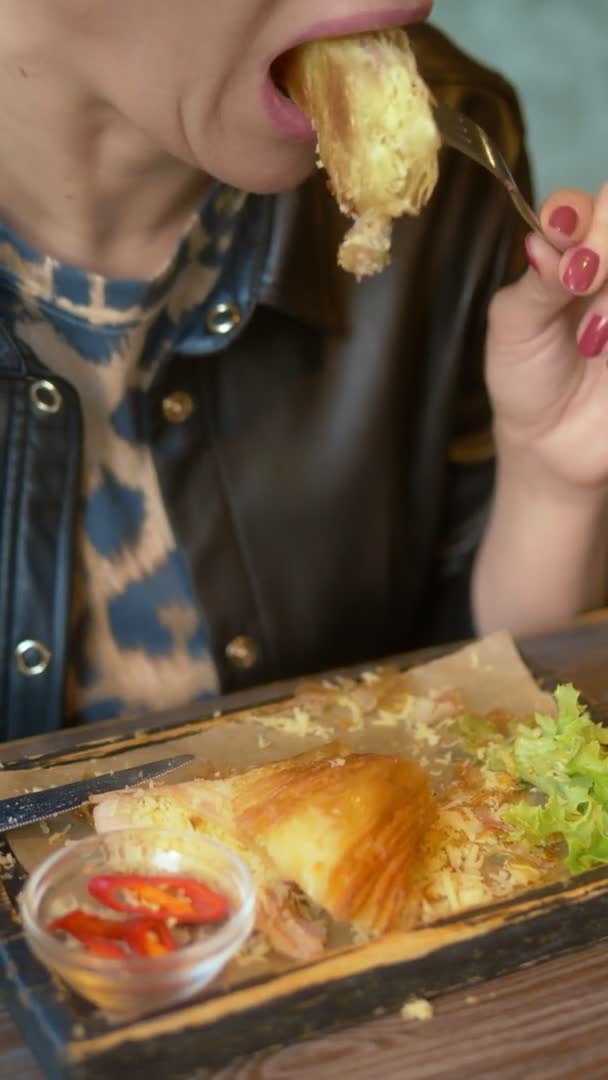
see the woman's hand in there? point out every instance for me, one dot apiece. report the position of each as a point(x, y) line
point(547, 348)
point(544, 554)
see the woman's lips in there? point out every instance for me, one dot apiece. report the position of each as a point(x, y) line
point(286, 117)
point(358, 24)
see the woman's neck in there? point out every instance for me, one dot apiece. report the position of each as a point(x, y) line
point(82, 185)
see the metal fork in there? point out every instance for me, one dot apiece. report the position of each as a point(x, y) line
point(464, 134)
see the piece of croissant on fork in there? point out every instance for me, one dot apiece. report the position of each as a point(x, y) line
point(377, 136)
point(348, 829)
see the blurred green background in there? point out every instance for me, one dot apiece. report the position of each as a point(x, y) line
point(555, 52)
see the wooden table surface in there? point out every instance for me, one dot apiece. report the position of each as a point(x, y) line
point(539, 1023)
point(547, 1022)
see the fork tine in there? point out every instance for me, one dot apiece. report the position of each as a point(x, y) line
point(525, 210)
point(466, 136)
point(463, 134)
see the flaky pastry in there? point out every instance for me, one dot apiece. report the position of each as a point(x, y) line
point(377, 137)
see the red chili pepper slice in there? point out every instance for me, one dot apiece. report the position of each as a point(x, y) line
point(147, 936)
point(102, 947)
point(162, 896)
point(85, 924)
point(99, 936)
point(144, 935)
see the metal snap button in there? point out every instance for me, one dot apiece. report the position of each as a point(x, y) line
point(242, 652)
point(32, 657)
point(178, 407)
point(45, 396)
point(222, 318)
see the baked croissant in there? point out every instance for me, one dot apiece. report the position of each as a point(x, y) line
point(347, 828)
point(377, 137)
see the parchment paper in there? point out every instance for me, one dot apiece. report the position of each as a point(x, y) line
point(489, 674)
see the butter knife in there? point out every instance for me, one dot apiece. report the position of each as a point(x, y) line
point(38, 805)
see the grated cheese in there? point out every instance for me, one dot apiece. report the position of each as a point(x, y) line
point(426, 734)
point(386, 719)
point(370, 678)
point(55, 837)
point(297, 722)
point(256, 949)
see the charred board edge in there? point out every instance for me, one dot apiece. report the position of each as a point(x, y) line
point(328, 995)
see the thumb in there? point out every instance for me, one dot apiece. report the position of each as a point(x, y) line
point(526, 309)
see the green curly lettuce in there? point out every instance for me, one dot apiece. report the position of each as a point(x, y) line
point(565, 757)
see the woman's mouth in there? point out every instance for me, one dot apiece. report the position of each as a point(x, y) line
point(284, 113)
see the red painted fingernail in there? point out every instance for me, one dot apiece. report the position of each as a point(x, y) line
point(564, 219)
point(530, 254)
point(595, 338)
point(581, 270)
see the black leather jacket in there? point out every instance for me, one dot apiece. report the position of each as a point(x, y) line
point(330, 486)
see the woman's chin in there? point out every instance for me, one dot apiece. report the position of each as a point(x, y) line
point(280, 169)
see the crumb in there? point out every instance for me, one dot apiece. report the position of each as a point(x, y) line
point(471, 999)
point(360, 936)
point(417, 1009)
point(263, 742)
point(60, 835)
point(257, 948)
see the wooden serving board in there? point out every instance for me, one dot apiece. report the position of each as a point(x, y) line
point(72, 1039)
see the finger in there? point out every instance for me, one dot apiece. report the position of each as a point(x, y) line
point(584, 267)
point(566, 217)
point(525, 309)
point(592, 334)
point(544, 285)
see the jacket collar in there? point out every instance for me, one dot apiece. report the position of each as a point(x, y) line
point(301, 277)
